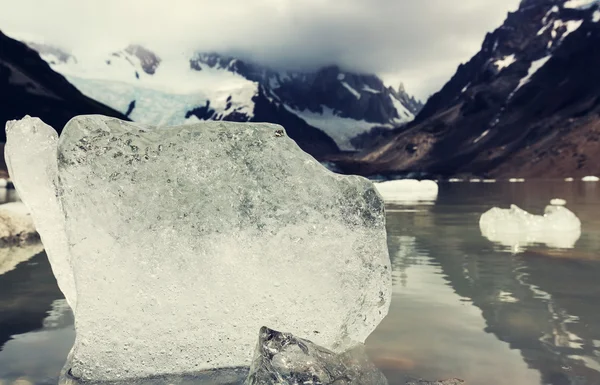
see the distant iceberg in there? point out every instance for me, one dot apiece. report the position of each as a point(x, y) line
point(590, 179)
point(408, 191)
point(516, 228)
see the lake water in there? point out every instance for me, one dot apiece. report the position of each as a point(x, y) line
point(462, 306)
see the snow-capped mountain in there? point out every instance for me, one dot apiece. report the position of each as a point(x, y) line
point(526, 105)
point(322, 110)
point(29, 86)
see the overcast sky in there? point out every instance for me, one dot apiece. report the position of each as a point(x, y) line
point(418, 42)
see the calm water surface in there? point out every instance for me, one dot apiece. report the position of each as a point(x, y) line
point(462, 306)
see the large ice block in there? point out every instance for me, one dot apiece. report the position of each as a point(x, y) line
point(182, 242)
point(283, 359)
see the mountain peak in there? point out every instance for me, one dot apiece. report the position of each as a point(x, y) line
point(148, 59)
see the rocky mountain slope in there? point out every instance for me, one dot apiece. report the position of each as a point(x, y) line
point(29, 86)
point(324, 111)
point(527, 105)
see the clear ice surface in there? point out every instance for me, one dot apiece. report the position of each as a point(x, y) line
point(515, 228)
point(283, 359)
point(408, 190)
point(174, 245)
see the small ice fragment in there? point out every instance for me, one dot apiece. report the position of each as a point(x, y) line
point(454, 180)
point(569, 179)
point(175, 237)
point(515, 228)
point(516, 180)
point(476, 180)
point(558, 202)
point(590, 179)
point(489, 181)
point(283, 359)
point(408, 190)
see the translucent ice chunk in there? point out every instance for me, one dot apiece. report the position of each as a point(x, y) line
point(185, 241)
point(30, 153)
point(408, 190)
point(558, 227)
point(283, 359)
point(590, 178)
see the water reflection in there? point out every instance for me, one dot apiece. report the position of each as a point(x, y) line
point(462, 307)
point(36, 325)
point(541, 304)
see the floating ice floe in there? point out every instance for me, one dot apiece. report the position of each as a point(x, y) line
point(569, 179)
point(11, 256)
point(516, 228)
point(475, 180)
point(16, 224)
point(185, 241)
point(590, 179)
point(516, 180)
point(408, 191)
point(489, 181)
point(455, 180)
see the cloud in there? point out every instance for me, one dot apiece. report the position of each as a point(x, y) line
point(419, 42)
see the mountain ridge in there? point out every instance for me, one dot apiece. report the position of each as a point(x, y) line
point(525, 105)
point(325, 111)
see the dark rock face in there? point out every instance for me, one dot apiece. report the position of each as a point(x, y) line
point(29, 87)
point(148, 59)
point(310, 139)
point(526, 105)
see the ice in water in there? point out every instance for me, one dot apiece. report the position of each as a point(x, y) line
point(178, 244)
point(408, 190)
point(283, 359)
point(559, 227)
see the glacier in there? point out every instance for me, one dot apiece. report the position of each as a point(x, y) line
point(174, 246)
point(516, 228)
